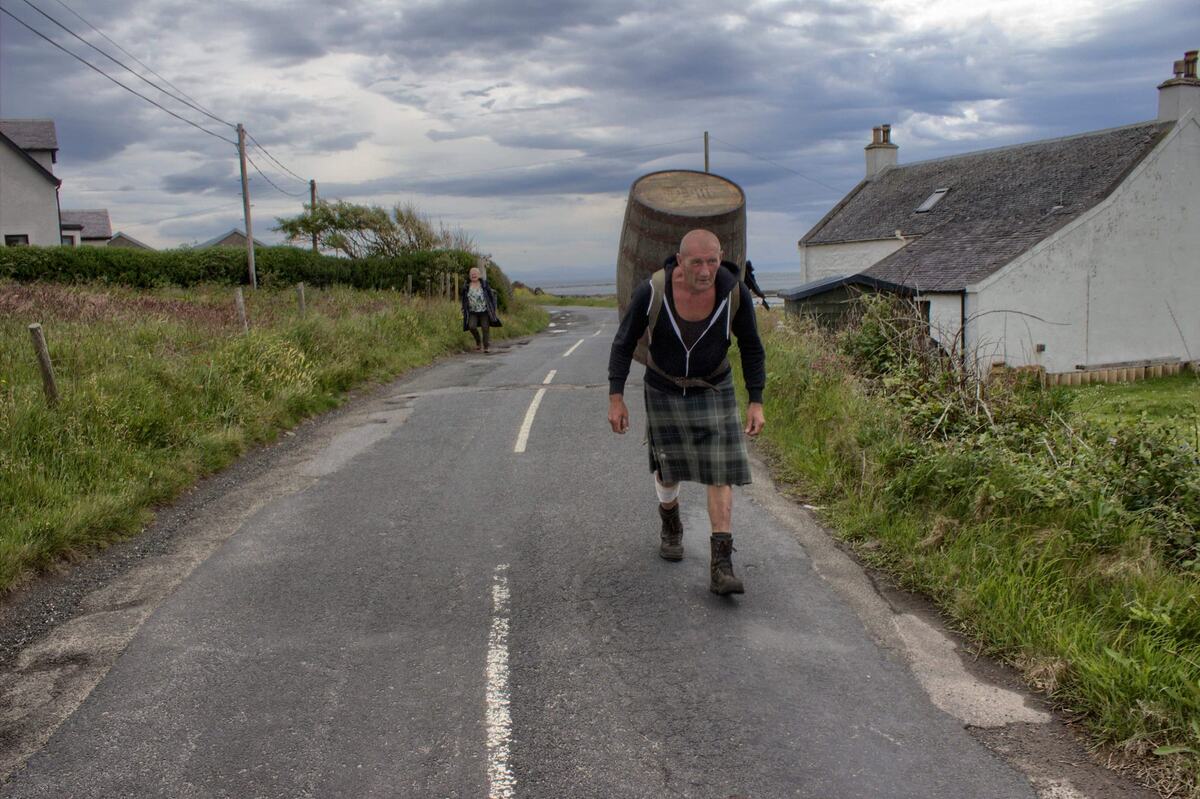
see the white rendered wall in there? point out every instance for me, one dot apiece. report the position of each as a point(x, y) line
point(945, 316)
point(43, 157)
point(28, 202)
point(1118, 284)
point(819, 261)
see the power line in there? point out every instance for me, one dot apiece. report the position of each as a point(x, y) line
point(131, 55)
point(276, 160)
point(92, 66)
point(775, 163)
point(125, 66)
point(268, 180)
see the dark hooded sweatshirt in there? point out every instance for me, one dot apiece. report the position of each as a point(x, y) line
point(708, 352)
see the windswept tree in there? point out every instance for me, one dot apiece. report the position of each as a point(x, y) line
point(359, 231)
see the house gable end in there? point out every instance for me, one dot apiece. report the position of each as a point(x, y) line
point(29, 159)
point(1069, 225)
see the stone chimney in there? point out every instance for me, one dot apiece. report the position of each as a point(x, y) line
point(881, 153)
point(1181, 93)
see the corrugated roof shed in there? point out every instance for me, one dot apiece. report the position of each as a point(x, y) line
point(96, 224)
point(1000, 203)
point(30, 134)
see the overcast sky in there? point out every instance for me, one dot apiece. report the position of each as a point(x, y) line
point(525, 122)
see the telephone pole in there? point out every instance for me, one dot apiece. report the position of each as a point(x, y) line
point(312, 208)
point(706, 151)
point(241, 132)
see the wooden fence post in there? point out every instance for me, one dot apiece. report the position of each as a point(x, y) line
point(408, 290)
point(300, 299)
point(43, 356)
point(240, 302)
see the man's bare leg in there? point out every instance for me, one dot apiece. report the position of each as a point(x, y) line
point(720, 508)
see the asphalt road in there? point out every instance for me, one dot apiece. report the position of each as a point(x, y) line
point(420, 610)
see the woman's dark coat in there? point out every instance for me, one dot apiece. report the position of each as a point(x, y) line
point(488, 295)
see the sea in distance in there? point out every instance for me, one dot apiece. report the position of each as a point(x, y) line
point(770, 282)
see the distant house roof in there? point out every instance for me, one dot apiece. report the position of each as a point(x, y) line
point(1000, 203)
point(96, 224)
point(31, 134)
point(830, 283)
point(5, 141)
point(120, 239)
point(237, 233)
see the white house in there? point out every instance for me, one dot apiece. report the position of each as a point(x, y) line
point(1073, 255)
point(28, 187)
point(91, 228)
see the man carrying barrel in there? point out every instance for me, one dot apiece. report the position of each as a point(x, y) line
point(693, 430)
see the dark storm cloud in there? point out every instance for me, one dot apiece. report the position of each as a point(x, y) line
point(798, 83)
point(214, 176)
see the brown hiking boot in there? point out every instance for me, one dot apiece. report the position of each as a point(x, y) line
point(721, 579)
point(671, 538)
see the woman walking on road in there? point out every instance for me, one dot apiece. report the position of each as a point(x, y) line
point(479, 309)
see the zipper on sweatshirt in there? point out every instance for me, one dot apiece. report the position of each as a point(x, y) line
point(687, 351)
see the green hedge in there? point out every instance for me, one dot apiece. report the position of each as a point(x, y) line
point(273, 266)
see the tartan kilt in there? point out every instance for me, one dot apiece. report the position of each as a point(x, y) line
point(697, 436)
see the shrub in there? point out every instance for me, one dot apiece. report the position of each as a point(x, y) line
point(274, 266)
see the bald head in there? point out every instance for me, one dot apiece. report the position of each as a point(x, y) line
point(696, 240)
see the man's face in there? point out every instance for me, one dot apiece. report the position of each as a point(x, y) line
point(700, 261)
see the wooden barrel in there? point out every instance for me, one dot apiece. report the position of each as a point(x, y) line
point(662, 208)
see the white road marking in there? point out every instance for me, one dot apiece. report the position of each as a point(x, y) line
point(576, 346)
point(523, 435)
point(501, 782)
point(599, 330)
point(550, 376)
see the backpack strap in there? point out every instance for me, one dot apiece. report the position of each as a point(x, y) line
point(658, 293)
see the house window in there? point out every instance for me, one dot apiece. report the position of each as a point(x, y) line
point(17, 240)
point(932, 200)
point(68, 241)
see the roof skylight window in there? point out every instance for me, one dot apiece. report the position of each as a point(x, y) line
point(932, 200)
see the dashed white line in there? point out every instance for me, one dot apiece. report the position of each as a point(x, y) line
point(550, 376)
point(501, 782)
point(573, 348)
point(599, 330)
point(523, 435)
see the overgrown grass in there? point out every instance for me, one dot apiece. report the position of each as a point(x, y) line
point(160, 387)
point(1042, 541)
point(593, 301)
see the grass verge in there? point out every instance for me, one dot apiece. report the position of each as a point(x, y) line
point(161, 387)
point(1079, 594)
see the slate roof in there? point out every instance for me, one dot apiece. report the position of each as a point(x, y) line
point(829, 283)
point(96, 224)
point(1001, 202)
point(119, 237)
point(30, 134)
point(216, 239)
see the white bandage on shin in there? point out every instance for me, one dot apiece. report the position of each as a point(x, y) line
point(665, 495)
